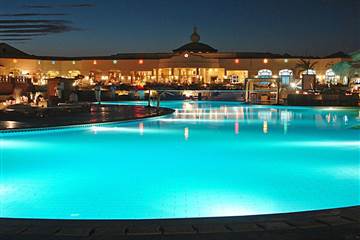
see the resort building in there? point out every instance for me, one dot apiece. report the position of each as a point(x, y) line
point(192, 63)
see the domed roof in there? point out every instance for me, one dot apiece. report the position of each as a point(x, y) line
point(195, 45)
point(196, 48)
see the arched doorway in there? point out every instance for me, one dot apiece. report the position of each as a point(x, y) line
point(264, 73)
point(52, 74)
point(330, 77)
point(286, 76)
point(74, 73)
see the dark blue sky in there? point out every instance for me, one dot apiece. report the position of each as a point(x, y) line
point(102, 27)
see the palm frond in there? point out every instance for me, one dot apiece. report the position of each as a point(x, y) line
point(305, 64)
point(312, 65)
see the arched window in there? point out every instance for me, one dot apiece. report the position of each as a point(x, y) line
point(286, 75)
point(265, 73)
point(74, 73)
point(53, 74)
point(330, 76)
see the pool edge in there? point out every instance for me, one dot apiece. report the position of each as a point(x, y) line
point(163, 112)
point(338, 223)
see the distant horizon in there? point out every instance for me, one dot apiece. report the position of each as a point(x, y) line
point(171, 52)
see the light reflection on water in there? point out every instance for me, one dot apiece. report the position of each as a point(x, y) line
point(207, 159)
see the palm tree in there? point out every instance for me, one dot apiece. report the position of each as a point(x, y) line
point(305, 65)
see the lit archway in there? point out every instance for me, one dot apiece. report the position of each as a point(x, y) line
point(74, 73)
point(52, 74)
point(265, 73)
point(330, 77)
point(286, 75)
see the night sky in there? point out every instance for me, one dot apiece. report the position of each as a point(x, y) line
point(103, 27)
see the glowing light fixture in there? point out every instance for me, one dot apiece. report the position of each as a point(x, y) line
point(94, 62)
point(237, 61)
point(114, 61)
point(141, 61)
point(286, 60)
point(186, 55)
point(266, 60)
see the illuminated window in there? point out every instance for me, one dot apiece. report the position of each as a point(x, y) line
point(39, 62)
point(330, 76)
point(285, 76)
point(265, 73)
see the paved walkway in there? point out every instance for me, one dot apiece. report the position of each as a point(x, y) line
point(77, 116)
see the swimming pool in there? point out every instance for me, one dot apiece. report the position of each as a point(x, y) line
point(208, 159)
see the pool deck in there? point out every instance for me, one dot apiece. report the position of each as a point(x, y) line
point(91, 114)
point(342, 223)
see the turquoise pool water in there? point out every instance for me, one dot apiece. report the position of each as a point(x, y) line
point(207, 159)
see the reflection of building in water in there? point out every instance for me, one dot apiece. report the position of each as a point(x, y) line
point(285, 117)
point(265, 127)
point(192, 63)
point(141, 128)
point(265, 115)
point(237, 128)
point(191, 112)
point(333, 117)
point(186, 133)
point(270, 115)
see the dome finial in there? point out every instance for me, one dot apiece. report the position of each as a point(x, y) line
point(195, 37)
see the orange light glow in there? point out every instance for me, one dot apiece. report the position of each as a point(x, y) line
point(95, 62)
point(265, 127)
point(141, 128)
point(237, 61)
point(237, 128)
point(141, 61)
point(266, 60)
